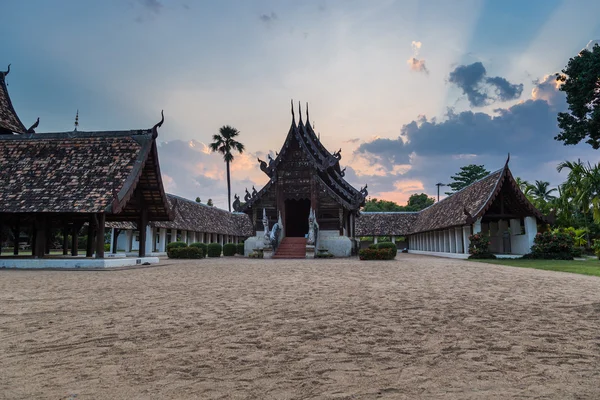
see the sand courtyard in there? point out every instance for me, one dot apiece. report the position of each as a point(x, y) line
point(235, 328)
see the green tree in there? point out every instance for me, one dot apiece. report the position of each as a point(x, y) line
point(225, 143)
point(210, 203)
point(583, 185)
point(418, 202)
point(466, 176)
point(198, 200)
point(581, 83)
point(382, 205)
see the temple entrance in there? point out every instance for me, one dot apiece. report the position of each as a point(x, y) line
point(296, 217)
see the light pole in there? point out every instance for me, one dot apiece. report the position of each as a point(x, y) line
point(438, 186)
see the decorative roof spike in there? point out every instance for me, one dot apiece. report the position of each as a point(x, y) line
point(507, 159)
point(76, 121)
point(307, 119)
point(299, 112)
point(293, 116)
point(158, 125)
point(35, 125)
point(7, 70)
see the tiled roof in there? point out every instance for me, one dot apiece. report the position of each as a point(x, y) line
point(9, 121)
point(76, 172)
point(385, 223)
point(451, 210)
point(461, 208)
point(197, 217)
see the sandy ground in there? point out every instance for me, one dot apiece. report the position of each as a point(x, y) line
point(418, 327)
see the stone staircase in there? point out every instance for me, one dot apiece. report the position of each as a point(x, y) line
point(291, 247)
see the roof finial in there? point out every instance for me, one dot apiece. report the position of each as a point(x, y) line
point(35, 125)
point(7, 70)
point(299, 112)
point(293, 116)
point(158, 125)
point(76, 120)
point(307, 120)
point(507, 159)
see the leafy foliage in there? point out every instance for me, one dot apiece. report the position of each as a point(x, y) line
point(210, 203)
point(581, 83)
point(552, 246)
point(466, 176)
point(416, 202)
point(229, 249)
point(198, 200)
point(388, 245)
point(376, 254)
point(240, 248)
point(174, 245)
point(479, 247)
point(214, 250)
point(201, 246)
point(186, 252)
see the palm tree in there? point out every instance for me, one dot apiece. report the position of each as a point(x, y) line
point(225, 143)
point(583, 183)
point(525, 187)
point(541, 192)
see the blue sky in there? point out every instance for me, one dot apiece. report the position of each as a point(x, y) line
point(410, 90)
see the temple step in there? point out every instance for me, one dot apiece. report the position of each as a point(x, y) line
point(291, 247)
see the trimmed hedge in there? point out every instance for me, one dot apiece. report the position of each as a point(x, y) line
point(376, 254)
point(240, 248)
point(229, 249)
point(214, 250)
point(186, 252)
point(548, 256)
point(388, 245)
point(174, 245)
point(200, 246)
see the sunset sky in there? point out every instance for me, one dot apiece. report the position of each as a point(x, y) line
point(410, 90)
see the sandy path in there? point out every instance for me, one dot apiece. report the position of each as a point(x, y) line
point(418, 327)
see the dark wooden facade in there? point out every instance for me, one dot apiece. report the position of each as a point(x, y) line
point(304, 175)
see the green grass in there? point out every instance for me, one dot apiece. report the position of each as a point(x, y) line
point(588, 267)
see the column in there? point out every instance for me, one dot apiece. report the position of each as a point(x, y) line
point(162, 240)
point(466, 232)
point(530, 230)
point(128, 240)
point(112, 241)
point(374, 240)
point(446, 241)
point(201, 237)
point(149, 239)
point(184, 236)
point(452, 237)
point(393, 239)
point(477, 226)
point(458, 248)
point(100, 236)
point(173, 235)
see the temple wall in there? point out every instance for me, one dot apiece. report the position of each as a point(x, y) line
point(339, 246)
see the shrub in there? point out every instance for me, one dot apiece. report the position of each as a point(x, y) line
point(229, 249)
point(186, 252)
point(174, 245)
point(106, 246)
point(214, 250)
point(323, 255)
point(596, 248)
point(577, 252)
point(376, 254)
point(240, 248)
point(373, 246)
point(552, 246)
point(201, 246)
point(256, 254)
point(388, 245)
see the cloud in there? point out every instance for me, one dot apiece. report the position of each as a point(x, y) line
point(480, 89)
point(267, 19)
point(414, 63)
point(154, 6)
point(429, 150)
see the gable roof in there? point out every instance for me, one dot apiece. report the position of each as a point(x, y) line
point(82, 172)
point(197, 217)
point(461, 208)
point(9, 120)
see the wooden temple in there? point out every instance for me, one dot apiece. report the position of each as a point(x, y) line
point(305, 176)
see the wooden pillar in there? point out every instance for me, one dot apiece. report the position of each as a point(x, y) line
point(16, 234)
point(74, 241)
point(65, 243)
point(142, 230)
point(115, 240)
point(40, 237)
point(89, 249)
point(100, 236)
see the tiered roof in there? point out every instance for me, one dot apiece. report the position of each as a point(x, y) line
point(461, 208)
point(327, 165)
point(9, 120)
point(197, 217)
point(82, 172)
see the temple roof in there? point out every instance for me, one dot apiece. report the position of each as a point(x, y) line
point(461, 208)
point(82, 172)
point(9, 120)
point(197, 217)
point(325, 163)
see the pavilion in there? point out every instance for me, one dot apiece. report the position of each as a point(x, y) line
point(494, 205)
point(64, 180)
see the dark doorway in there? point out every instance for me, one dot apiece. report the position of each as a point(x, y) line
point(296, 217)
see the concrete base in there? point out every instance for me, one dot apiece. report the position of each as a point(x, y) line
point(33, 263)
point(310, 251)
point(268, 252)
point(458, 255)
point(339, 246)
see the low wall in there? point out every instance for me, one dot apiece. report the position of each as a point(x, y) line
point(38, 263)
point(339, 246)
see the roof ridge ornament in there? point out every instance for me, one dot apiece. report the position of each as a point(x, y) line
point(299, 113)
point(7, 71)
point(307, 119)
point(35, 125)
point(293, 116)
point(158, 125)
point(76, 120)
point(507, 160)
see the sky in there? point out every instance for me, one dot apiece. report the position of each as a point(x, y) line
point(409, 90)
